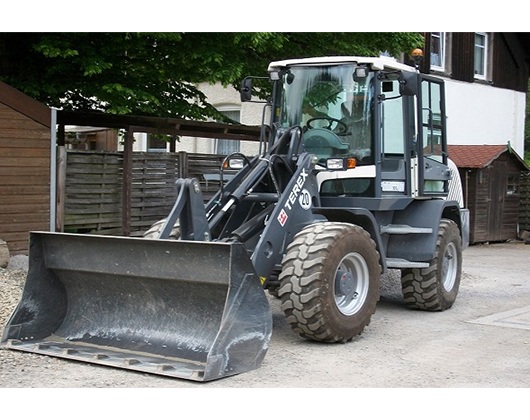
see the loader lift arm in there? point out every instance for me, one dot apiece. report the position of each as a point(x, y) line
point(260, 207)
point(257, 183)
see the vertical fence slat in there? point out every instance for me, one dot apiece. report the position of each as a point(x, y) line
point(127, 179)
point(524, 203)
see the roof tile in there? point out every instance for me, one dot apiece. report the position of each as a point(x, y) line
point(475, 156)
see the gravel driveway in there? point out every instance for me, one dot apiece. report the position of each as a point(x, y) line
point(482, 342)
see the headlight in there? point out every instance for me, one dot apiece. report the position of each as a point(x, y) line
point(339, 164)
point(234, 163)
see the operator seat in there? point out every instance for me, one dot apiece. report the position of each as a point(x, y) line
point(323, 143)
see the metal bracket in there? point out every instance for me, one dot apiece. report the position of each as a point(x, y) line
point(190, 212)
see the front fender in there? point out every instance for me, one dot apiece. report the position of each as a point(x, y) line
point(360, 217)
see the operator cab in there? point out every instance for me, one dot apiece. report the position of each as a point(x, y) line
point(332, 105)
point(368, 121)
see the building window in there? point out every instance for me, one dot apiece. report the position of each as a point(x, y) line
point(225, 146)
point(438, 51)
point(481, 55)
point(156, 143)
point(512, 186)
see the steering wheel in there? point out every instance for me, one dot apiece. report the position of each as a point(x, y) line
point(341, 125)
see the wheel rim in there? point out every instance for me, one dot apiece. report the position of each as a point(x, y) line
point(449, 267)
point(352, 281)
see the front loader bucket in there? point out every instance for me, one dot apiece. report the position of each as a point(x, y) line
point(191, 310)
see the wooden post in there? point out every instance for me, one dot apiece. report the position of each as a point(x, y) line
point(127, 182)
point(61, 180)
point(183, 164)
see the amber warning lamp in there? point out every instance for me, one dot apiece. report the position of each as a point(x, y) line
point(416, 55)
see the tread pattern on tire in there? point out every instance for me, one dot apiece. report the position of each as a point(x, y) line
point(421, 286)
point(302, 284)
point(154, 231)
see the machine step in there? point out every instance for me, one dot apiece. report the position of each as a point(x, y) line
point(404, 229)
point(403, 263)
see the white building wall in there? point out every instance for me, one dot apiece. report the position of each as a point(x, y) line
point(225, 99)
point(140, 142)
point(478, 114)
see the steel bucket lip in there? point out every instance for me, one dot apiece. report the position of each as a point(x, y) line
point(141, 362)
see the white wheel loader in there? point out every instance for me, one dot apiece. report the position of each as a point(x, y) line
point(352, 180)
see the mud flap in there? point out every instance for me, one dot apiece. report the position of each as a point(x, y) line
point(185, 309)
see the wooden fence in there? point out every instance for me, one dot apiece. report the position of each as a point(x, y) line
point(94, 188)
point(93, 200)
point(524, 202)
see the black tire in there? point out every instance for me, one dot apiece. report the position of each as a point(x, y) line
point(435, 288)
point(274, 291)
point(329, 284)
point(154, 231)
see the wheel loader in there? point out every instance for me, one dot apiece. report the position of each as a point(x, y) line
point(352, 179)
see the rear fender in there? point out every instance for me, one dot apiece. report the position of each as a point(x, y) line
point(422, 214)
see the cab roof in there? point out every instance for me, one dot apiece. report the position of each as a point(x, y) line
point(375, 63)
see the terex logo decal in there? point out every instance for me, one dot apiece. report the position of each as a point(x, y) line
point(293, 195)
point(296, 189)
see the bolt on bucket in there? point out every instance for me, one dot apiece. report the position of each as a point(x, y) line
point(185, 309)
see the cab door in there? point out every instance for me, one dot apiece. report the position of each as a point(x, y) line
point(433, 174)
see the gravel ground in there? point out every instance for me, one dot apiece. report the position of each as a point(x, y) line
point(12, 281)
point(401, 350)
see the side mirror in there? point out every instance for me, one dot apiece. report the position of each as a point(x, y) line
point(408, 84)
point(246, 89)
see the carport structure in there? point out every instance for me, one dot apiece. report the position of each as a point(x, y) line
point(32, 164)
point(139, 124)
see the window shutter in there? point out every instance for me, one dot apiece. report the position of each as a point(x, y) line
point(463, 56)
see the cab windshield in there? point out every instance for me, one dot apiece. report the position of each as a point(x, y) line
point(333, 107)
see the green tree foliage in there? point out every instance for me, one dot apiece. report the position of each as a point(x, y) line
point(157, 73)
